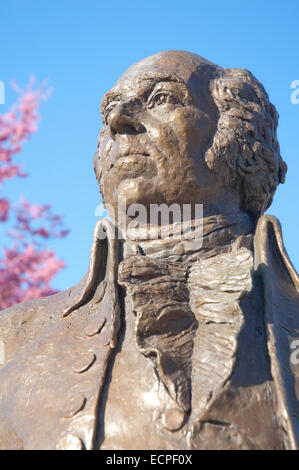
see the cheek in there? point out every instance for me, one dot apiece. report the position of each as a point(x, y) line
point(105, 155)
point(104, 148)
point(163, 137)
point(193, 129)
point(102, 165)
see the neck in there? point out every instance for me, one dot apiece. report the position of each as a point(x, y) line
point(192, 239)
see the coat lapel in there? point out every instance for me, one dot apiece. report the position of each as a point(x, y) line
point(281, 300)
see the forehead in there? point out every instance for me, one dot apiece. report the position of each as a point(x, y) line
point(178, 66)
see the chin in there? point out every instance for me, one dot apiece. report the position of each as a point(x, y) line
point(140, 190)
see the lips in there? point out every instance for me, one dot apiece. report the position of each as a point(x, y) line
point(132, 161)
point(129, 153)
point(135, 164)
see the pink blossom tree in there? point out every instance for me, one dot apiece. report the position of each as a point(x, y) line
point(27, 267)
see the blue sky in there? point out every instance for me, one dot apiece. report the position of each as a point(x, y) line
point(83, 47)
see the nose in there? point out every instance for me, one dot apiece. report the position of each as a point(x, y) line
point(121, 121)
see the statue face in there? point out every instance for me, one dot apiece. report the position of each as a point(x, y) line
point(158, 121)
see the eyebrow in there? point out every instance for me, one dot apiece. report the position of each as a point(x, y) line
point(162, 77)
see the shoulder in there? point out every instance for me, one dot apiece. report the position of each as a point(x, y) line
point(23, 322)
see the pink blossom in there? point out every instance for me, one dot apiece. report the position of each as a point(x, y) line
point(27, 267)
point(4, 209)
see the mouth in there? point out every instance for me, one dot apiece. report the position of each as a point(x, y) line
point(132, 162)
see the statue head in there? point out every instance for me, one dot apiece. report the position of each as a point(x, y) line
point(180, 129)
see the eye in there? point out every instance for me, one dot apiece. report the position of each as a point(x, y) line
point(162, 98)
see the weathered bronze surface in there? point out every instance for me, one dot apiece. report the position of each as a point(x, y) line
point(168, 344)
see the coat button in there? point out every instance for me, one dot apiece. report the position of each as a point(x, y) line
point(173, 419)
point(76, 404)
point(83, 362)
point(94, 328)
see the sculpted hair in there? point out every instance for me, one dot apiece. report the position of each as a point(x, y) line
point(245, 147)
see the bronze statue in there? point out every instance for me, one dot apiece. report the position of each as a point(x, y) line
point(168, 343)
